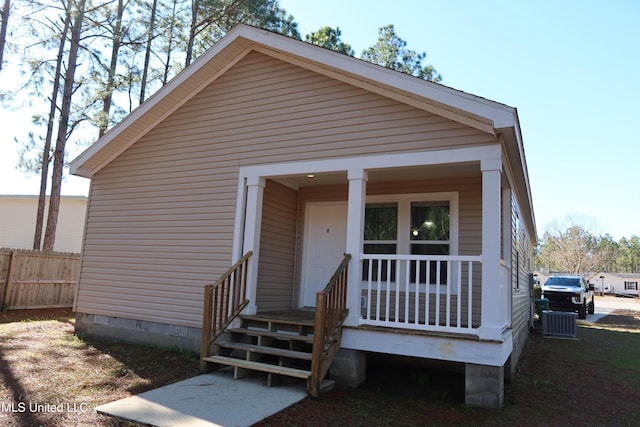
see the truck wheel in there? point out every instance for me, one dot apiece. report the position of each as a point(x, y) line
point(582, 312)
point(592, 307)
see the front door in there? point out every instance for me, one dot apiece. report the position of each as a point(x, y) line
point(325, 241)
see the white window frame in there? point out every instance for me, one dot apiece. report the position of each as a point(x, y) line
point(403, 240)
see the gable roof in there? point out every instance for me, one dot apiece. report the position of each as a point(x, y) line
point(488, 116)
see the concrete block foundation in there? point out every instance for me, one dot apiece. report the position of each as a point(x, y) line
point(484, 386)
point(349, 367)
point(138, 331)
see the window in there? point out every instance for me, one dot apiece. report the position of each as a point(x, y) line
point(630, 286)
point(380, 237)
point(416, 224)
point(430, 223)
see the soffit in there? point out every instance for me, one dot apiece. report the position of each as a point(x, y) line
point(417, 173)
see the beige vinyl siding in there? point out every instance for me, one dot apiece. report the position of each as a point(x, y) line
point(521, 267)
point(161, 217)
point(277, 248)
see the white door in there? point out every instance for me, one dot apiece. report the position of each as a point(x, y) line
point(325, 240)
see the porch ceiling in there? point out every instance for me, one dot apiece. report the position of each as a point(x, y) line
point(456, 170)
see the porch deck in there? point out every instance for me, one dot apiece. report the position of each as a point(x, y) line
point(306, 317)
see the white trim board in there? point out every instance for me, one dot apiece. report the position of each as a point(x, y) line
point(421, 158)
point(491, 353)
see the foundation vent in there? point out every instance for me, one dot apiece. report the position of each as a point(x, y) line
point(178, 330)
point(100, 320)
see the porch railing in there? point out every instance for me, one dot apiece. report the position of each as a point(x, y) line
point(331, 311)
point(223, 301)
point(428, 293)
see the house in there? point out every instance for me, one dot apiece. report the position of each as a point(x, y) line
point(286, 160)
point(621, 284)
point(18, 222)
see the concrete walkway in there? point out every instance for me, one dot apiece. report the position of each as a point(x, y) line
point(214, 399)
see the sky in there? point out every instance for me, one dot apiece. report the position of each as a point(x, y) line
point(571, 68)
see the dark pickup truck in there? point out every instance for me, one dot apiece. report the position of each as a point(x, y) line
point(569, 293)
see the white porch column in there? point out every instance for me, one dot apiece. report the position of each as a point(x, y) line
point(493, 294)
point(355, 235)
point(253, 222)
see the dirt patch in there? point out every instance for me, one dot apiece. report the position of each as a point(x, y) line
point(59, 314)
point(49, 376)
point(626, 319)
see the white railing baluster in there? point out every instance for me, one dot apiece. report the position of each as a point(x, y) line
point(437, 322)
point(369, 277)
point(379, 275)
point(407, 294)
point(416, 318)
point(397, 297)
point(427, 304)
point(446, 292)
point(459, 295)
point(470, 297)
point(449, 284)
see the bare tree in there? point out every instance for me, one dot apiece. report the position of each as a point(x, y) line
point(574, 246)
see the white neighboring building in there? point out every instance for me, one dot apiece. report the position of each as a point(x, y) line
point(18, 219)
point(625, 284)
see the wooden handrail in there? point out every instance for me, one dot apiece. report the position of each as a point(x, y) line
point(223, 301)
point(331, 310)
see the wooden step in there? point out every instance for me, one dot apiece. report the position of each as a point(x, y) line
point(276, 335)
point(277, 320)
point(257, 366)
point(272, 351)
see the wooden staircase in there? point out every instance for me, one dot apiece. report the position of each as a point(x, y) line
point(279, 344)
point(295, 343)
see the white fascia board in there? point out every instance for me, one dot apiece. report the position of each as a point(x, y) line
point(513, 135)
point(75, 169)
point(463, 349)
point(423, 158)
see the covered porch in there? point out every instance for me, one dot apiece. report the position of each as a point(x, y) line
point(464, 289)
point(406, 254)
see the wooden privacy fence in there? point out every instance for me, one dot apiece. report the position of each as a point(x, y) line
point(33, 279)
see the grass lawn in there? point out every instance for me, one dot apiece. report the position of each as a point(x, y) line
point(594, 380)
